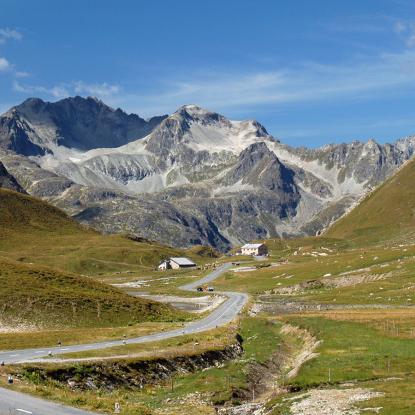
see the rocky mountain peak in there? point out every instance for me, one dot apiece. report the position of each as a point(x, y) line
point(372, 145)
point(259, 166)
point(167, 135)
point(406, 145)
point(193, 129)
point(260, 129)
point(194, 114)
point(75, 122)
point(32, 102)
point(257, 151)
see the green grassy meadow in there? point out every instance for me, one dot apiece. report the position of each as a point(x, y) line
point(358, 349)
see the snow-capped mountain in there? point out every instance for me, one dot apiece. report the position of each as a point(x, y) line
point(192, 177)
point(190, 140)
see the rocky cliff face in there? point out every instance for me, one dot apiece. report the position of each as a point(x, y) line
point(7, 181)
point(36, 127)
point(194, 177)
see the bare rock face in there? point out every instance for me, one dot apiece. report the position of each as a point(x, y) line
point(193, 177)
point(7, 181)
point(16, 133)
point(36, 127)
point(260, 167)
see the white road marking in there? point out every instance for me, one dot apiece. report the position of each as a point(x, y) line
point(14, 355)
point(23, 410)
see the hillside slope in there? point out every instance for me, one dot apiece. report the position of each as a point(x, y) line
point(21, 213)
point(47, 298)
point(33, 231)
point(34, 234)
point(385, 214)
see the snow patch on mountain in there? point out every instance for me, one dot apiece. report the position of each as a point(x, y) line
point(234, 137)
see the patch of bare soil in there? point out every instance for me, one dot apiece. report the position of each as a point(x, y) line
point(190, 304)
point(196, 401)
point(330, 282)
point(307, 351)
point(17, 328)
point(351, 280)
point(264, 379)
point(333, 402)
point(245, 409)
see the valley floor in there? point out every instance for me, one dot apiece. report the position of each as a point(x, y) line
point(330, 329)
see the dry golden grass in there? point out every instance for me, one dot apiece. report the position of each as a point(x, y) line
point(398, 322)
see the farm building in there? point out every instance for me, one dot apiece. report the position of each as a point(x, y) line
point(176, 263)
point(254, 249)
point(164, 265)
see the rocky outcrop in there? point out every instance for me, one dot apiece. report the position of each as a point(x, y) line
point(260, 167)
point(7, 181)
point(129, 373)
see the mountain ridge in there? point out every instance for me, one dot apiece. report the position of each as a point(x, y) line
point(36, 127)
point(199, 178)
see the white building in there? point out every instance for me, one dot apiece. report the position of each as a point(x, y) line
point(254, 249)
point(164, 265)
point(176, 263)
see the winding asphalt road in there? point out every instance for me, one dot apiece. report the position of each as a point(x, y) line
point(17, 403)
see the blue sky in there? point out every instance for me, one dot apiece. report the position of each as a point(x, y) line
point(312, 72)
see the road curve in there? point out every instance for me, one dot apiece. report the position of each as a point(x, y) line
point(17, 403)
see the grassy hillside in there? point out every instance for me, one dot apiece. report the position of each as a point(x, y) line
point(24, 213)
point(31, 231)
point(31, 294)
point(44, 256)
point(386, 214)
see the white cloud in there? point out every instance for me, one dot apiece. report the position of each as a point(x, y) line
point(9, 34)
point(400, 27)
point(21, 74)
point(63, 90)
point(406, 31)
point(385, 73)
point(58, 91)
point(99, 90)
point(4, 64)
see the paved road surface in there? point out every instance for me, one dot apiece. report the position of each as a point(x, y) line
point(17, 403)
point(209, 278)
point(14, 403)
